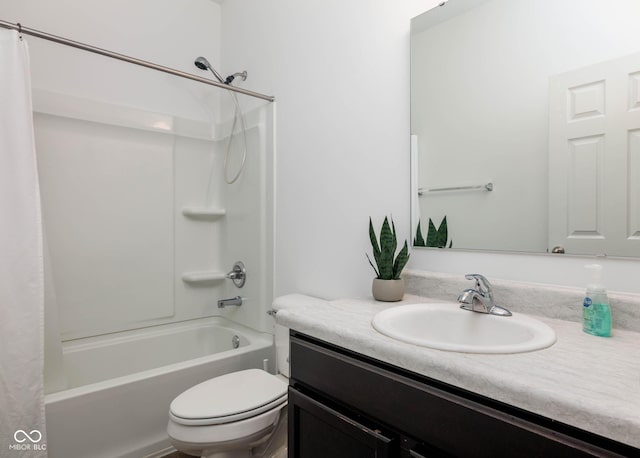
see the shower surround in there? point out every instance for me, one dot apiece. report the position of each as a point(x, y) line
point(141, 230)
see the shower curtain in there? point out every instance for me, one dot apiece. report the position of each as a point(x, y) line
point(22, 427)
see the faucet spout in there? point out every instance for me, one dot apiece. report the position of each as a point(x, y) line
point(473, 300)
point(237, 301)
point(480, 299)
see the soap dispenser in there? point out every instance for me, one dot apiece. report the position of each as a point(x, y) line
point(596, 312)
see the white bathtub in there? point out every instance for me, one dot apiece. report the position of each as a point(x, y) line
point(121, 385)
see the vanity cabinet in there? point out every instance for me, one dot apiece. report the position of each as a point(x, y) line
point(343, 404)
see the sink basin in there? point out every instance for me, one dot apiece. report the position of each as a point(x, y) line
point(447, 327)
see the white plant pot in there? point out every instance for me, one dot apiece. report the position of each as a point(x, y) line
point(388, 290)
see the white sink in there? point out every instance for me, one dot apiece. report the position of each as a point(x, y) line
point(447, 327)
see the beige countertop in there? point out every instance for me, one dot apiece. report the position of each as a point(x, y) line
point(589, 382)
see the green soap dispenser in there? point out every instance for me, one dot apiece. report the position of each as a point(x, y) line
point(596, 312)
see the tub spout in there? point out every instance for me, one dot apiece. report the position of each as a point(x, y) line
point(222, 303)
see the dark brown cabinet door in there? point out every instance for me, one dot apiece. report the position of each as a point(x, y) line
point(318, 431)
point(344, 404)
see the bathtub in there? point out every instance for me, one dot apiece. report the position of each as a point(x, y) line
point(120, 385)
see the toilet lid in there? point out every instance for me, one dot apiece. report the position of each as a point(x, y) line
point(230, 397)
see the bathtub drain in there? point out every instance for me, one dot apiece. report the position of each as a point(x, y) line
point(235, 341)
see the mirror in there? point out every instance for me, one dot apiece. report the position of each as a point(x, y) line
point(525, 123)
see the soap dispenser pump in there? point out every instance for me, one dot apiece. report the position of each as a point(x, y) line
point(596, 311)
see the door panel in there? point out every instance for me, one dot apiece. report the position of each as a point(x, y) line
point(594, 154)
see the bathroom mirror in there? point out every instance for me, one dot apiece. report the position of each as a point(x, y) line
point(525, 123)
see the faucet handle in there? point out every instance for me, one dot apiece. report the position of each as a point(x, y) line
point(238, 274)
point(482, 284)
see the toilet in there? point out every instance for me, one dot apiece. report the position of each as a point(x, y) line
point(237, 415)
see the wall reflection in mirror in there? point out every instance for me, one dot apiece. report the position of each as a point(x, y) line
point(540, 99)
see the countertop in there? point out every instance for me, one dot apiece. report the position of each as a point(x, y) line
point(589, 382)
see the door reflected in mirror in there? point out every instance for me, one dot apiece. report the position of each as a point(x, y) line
point(525, 122)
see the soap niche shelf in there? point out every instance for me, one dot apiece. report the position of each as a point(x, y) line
point(203, 277)
point(203, 213)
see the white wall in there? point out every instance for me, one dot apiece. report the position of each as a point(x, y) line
point(167, 32)
point(340, 73)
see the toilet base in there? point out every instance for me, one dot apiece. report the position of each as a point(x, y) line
point(276, 446)
point(270, 442)
point(229, 449)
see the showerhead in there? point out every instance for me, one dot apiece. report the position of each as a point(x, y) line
point(203, 64)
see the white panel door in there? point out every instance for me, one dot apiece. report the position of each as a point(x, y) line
point(594, 159)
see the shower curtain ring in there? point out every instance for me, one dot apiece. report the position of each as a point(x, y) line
point(19, 30)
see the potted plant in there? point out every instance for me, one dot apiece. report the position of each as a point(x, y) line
point(387, 286)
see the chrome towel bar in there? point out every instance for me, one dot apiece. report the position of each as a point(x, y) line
point(480, 187)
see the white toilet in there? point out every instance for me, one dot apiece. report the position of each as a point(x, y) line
point(237, 415)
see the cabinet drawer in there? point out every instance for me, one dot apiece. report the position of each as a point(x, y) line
point(318, 431)
point(425, 411)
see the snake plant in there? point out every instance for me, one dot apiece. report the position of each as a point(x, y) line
point(436, 237)
point(383, 253)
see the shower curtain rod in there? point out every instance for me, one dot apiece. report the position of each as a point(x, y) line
point(132, 60)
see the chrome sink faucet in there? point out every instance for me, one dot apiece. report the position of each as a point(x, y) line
point(480, 299)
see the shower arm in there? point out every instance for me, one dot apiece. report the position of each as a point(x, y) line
point(242, 74)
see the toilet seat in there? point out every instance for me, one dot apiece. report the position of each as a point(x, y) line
point(210, 421)
point(229, 398)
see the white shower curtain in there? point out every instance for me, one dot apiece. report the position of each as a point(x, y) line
point(22, 427)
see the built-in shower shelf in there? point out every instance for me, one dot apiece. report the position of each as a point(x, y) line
point(203, 212)
point(203, 277)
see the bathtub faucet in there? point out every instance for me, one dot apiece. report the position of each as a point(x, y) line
point(222, 303)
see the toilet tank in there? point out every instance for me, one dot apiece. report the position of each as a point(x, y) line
point(282, 349)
